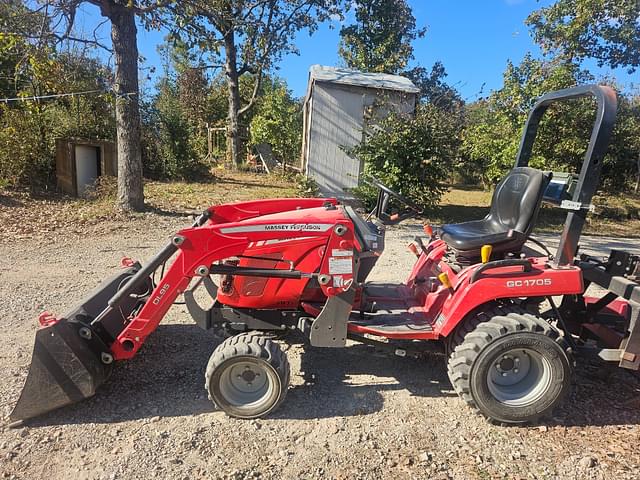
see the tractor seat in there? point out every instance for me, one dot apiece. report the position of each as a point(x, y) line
point(514, 208)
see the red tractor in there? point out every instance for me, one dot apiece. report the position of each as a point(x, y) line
point(302, 264)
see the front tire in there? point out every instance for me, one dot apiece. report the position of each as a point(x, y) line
point(247, 375)
point(513, 368)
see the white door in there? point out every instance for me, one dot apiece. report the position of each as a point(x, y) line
point(86, 167)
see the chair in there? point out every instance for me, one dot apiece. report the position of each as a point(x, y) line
point(514, 210)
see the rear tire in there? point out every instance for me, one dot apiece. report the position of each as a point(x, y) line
point(247, 375)
point(480, 316)
point(513, 368)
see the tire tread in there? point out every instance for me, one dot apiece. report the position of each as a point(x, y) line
point(255, 344)
point(484, 328)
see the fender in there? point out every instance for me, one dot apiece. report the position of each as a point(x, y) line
point(505, 282)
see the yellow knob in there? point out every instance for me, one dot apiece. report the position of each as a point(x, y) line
point(444, 280)
point(485, 253)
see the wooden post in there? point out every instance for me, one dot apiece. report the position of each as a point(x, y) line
point(209, 156)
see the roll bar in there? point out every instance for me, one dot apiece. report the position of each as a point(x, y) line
point(589, 178)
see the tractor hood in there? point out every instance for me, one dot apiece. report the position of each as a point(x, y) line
point(318, 219)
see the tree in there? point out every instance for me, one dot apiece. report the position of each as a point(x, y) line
point(172, 134)
point(17, 54)
point(249, 37)
point(28, 128)
point(278, 121)
point(433, 87)
point(607, 30)
point(174, 122)
point(494, 125)
point(622, 163)
point(411, 155)
point(381, 38)
point(122, 15)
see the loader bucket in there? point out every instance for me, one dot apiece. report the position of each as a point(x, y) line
point(65, 368)
point(71, 356)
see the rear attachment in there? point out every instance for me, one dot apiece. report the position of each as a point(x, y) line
point(71, 356)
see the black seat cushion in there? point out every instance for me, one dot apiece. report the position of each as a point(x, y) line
point(514, 208)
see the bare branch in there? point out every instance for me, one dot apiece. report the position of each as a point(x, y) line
point(66, 38)
point(263, 58)
point(207, 67)
point(254, 95)
point(260, 4)
point(69, 12)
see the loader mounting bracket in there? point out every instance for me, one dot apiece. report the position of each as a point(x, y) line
point(329, 329)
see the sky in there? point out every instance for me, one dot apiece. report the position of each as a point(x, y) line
point(473, 39)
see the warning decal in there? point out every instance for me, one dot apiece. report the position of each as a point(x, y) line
point(340, 265)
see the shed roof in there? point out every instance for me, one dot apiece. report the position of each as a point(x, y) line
point(346, 76)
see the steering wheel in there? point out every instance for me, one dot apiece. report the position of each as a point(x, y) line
point(384, 194)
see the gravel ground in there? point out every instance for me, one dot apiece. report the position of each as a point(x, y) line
point(363, 415)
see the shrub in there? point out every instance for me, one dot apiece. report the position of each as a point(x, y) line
point(278, 122)
point(26, 155)
point(412, 156)
point(306, 186)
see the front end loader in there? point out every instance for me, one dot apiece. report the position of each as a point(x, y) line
point(273, 266)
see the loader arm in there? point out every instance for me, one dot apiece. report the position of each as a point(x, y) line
point(73, 354)
point(198, 248)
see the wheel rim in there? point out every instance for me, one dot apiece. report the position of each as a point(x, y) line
point(519, 377)
point(249, 383)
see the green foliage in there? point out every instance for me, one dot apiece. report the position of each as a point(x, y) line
point(494, 126)
point(381, 38)
point(433, 87)
point(306, 187)
point(277, 121)
point(622, 164)
point(28, 133)
point(262, 32)
point(412, 156)
point(25, 153)
point(170, 142)
point(607, 30)
point(174, 121)
point(19, 56)
point(28, 129)
point(249, 37)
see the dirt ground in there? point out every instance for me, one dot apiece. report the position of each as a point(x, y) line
point(364, 415)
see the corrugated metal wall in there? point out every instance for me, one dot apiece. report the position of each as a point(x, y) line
point(336, 118)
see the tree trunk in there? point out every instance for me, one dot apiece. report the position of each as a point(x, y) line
point(638, 179)
point(233, 86)
point(125, 48)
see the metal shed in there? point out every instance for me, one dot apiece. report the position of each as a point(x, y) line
point(339, 107)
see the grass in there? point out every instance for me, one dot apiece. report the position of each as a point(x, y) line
point(227, 187)
point(614, 215)
point(24, 213)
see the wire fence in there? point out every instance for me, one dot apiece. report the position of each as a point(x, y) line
point(33, 98)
